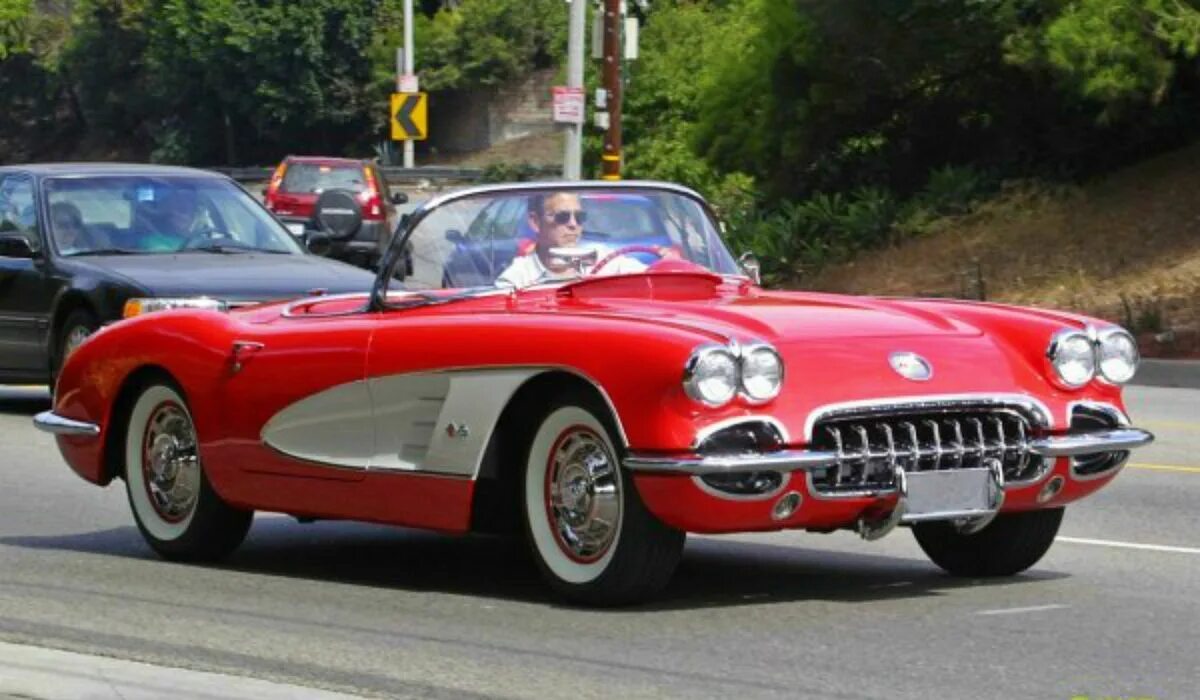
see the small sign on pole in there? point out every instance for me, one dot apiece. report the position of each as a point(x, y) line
point(568, 104)
point(407, 83)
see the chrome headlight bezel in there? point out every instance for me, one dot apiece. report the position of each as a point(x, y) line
point(1082, 346)
point(139, 306)
point(700, 367)
point(760, 350)
point(1109, 340)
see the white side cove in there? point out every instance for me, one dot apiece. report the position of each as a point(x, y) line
point(436, 422)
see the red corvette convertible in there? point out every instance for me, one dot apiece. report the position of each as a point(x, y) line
point(602, 405)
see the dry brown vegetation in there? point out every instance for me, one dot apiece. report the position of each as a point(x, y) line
point(1125, 248)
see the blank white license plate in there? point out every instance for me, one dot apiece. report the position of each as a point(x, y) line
point(296, 229)
point(954, 493)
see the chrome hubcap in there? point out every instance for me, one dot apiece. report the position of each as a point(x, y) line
point(170, 465)
point(74, 339)
point(583, 494)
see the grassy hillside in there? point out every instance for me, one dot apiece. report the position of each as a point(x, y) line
point(1125, 248)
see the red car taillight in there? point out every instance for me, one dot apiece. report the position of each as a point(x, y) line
point(273, 186)
point(372, 200)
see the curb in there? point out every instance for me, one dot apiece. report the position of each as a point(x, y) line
point(1180, 374)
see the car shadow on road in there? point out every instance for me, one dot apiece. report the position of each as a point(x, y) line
point(714, 572)
point(23, 401)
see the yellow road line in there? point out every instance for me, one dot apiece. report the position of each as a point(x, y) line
point(1165, 468)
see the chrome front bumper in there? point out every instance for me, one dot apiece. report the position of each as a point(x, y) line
point(1074, 445)
point(51, 422)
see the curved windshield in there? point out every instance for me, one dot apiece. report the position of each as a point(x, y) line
point(525, 237)
point(146, 214)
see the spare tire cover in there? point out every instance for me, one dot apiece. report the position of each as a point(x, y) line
point(338, 213)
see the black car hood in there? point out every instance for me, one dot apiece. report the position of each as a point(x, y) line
point(233, 276)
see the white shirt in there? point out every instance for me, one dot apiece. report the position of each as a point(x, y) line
point(528, 270)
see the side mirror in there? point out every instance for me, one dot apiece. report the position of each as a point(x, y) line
point(455, 236)
point(750, 265)
point(318, 243)
point(15, 245)
point(399, 198)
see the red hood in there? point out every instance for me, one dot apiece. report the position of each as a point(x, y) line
point(746, 313)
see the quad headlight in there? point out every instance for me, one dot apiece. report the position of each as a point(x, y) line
point(715, 374)
point(1079, 356)
point(762, 373)
point(144, 305)
point(1118, 355)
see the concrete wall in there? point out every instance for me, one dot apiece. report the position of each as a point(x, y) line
point(465, 121)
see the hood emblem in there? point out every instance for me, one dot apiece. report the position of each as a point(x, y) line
point(912, 366)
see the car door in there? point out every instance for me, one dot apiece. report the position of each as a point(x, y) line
point(26, 288)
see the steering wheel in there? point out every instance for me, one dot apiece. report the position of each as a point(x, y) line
point(659, 250)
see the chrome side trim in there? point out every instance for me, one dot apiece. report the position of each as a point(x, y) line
point(1036, 410)
point(1090, 443)
point(783, 460)
point(51, 422)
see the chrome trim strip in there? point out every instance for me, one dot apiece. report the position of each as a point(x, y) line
point(51, 422)
point(1091, 443)
point(1118, 416)
point(907, 404)
point(783, 460)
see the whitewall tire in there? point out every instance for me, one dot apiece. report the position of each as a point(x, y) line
point(175, 507)
point(591, 536)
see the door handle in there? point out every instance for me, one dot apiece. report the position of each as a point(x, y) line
point(242, 349)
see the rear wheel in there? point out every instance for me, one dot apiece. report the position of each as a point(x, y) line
point(176, 509)
point(592, 538)
point(1010, 544)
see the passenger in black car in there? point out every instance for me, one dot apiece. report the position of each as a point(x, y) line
point(68, 229)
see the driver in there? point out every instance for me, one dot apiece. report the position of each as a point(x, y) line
point(558, 220)
point(169, 220)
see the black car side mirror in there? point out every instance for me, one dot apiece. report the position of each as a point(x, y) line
point(318, 243)
point(15, 245)
point(399, 198)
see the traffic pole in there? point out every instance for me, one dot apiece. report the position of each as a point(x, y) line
point(611, 157)
point(572, 150)
point(408, 69)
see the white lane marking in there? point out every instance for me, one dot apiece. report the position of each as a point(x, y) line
point(1018, 611)
point(1131, 545)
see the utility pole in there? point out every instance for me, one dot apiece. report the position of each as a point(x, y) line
point(572, 154)
point(408, 69)
point(611, 165)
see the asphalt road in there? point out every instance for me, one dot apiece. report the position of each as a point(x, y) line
point(1112, 611)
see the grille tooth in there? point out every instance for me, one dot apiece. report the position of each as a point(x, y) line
point(870, 447)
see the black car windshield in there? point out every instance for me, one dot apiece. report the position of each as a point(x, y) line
point(151, 214)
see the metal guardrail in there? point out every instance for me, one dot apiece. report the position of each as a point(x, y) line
point(392, 173)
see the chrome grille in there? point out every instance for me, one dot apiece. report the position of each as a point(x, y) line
point(871, 446)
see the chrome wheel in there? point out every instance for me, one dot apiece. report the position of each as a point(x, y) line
point(170, 465)
point(583, 494)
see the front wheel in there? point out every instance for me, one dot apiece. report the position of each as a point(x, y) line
point(1010, 544)
point(592, 538)
point(176, 509)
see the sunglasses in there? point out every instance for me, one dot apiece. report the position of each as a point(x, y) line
point(562, 218)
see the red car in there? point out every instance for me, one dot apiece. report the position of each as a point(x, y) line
point(602, 406)
point(346, 199)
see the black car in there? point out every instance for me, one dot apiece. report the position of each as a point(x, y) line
point(82, 245)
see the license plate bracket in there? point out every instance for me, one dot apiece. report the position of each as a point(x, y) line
point(951, 494)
